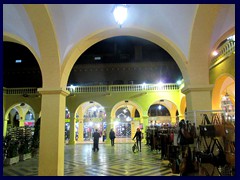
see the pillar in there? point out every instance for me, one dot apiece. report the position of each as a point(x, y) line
point(181, 116)
point(198, 98)
point(109, 126)
point(134, 126)
point(21, 121)
point(173, 116)
point(72, 129)
point(145, 124)
point(80, 130)
point(5, 127)
point(52, 132)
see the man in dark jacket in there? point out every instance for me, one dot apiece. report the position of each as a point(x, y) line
point(112, 136)
point(96, 136)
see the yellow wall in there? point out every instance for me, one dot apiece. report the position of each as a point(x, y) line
point(226, 67)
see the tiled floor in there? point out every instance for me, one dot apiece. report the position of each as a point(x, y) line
point(118, 160)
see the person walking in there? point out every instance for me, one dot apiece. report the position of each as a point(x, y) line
point(112, 136)
point(104, 135)
point(138, 136)
point(96, 136)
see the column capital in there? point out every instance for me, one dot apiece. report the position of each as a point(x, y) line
point(53, 91)
point(196, 88)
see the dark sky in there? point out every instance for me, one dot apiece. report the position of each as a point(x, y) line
point(114, 50)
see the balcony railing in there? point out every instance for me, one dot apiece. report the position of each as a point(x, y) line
point(122, 88)
point(99, 89)
point(224, 51)
point(23, 91)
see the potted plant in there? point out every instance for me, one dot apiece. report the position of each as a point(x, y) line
point(35, 138)
point(25, 148)
point(11, 146)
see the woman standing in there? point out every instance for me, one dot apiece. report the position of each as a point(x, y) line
point(138, 136)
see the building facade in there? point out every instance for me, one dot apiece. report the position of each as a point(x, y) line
point(58, 34)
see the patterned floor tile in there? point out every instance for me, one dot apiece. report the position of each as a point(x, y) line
point(119, 160)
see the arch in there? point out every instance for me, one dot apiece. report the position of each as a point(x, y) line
point(15, 39)
point(183, 106)
point(18, 106)
point(48, 44)
point(88, 123)
point(19, 109)
point(200, 43)
point(167, 103)
point(123, 104)
point(147, 34)
point(87, 104)
point(223, 84)
point(154, 105)
point(228, 33)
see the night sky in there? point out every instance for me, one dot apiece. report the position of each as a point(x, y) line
point(114, 50)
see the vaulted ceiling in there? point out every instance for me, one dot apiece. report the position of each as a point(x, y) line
point(73, 22)
point(69, 24)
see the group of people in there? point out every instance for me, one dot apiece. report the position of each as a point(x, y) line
point(96, 135)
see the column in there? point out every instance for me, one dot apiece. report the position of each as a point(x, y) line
point(21, 120)
point(181, 116)
point(198, 98)
point(80, 130)
point(5, 127)
point(173, 116)
point(51, 150)
point(109, 126)
point(72, 129)
point(145, 124)
point(134, 126)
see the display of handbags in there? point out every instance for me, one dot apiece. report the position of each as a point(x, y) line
point(206, 127)
point(230, 154)
point(210, 155)
point(212, 129)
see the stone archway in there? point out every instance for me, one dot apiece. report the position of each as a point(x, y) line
point(224, 84)
point(146, 34)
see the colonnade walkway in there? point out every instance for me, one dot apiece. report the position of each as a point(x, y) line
point(117, 160)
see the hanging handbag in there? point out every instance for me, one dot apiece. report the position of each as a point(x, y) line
point(205, 156)
point(209, 156)
point(203, 171)
point(218, 126)
point(220, 158)
point(229, 130)
point(206, 128)
point(230, 154)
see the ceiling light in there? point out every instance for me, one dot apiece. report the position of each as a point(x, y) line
point(214, 53)
point(18, 61)
point(120, 13)
point(179, 82)
point(231, 38)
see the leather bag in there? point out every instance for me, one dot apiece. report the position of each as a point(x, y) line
point(206, 128)
point(229, 130)
point(218, 126)
point(230, 154)
point(209, 155)
point(219, 159)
